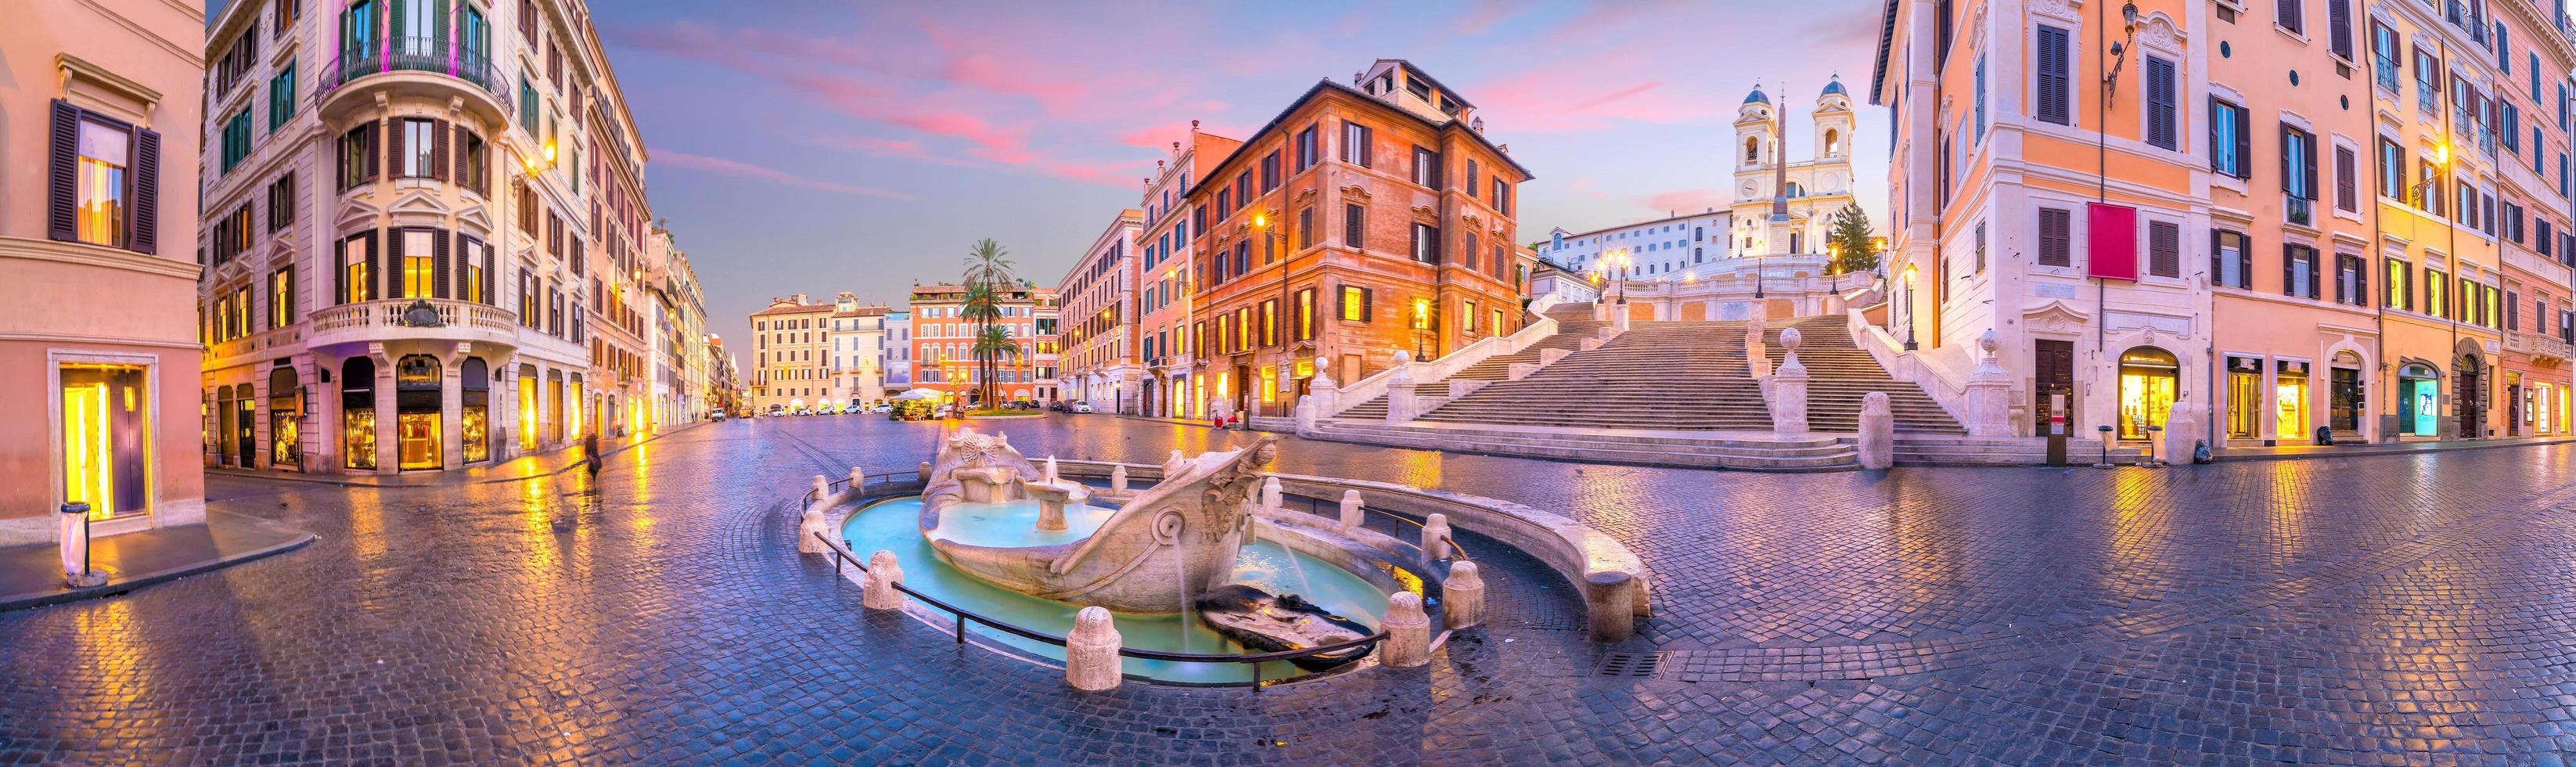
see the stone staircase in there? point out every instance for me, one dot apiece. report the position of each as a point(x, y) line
point(1573, 324)
point(1657, 376)
point(1759, 451)
point(1840, 373)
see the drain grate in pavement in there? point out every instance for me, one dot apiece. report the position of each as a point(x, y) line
point(1632, 665)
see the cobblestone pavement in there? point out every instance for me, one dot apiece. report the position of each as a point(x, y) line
point(2372, 610)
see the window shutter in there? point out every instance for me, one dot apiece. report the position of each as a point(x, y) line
point(2290, 270)
point(62, 175)
point(1368, 305)
point(2347, 180)
point(2244, 142)
point(438, 146)
point(374, 135)
point(2245, 262)
point(2289, 167)
point(340, 271)
point(2360, 282)
point(2052, 75)
point(2164, 249)
point(2053, 236)
point(2316, 273)
point(394, 149)
point(375, 258)
point(438, 264)
point(2339, 27)
point(2160, 103)
point(2289, 14)
point(146, 220)
point(393, 277)
point(2217, 271)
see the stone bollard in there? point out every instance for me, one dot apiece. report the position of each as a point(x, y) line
point(1789, 389)
point(1608, 333)
point(1588, 344)
point(1302, 417)
point(1435, 537)
point(1118, 479)
point(1091, 659)
point(858, 478)
point(2182, 431)
point(1462, 597)
point(1520, 370)
point(1408, 632)
point(1270, 495)
point(1352, 513)
point(807, 530)
point(1619, 321)
point(877, 591)
point(1610, 602)
point(1989, 393)
point(924, 470)
point(1877, 432)
point(822, 490)
point(1550, 356)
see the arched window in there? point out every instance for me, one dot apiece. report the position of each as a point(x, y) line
point(1833, 142)
point(2149, 378)
point(1795, 191)
point(1752, 149)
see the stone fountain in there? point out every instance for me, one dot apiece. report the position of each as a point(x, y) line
point(1164, 545)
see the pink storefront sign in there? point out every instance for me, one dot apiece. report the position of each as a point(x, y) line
point(2111, 241)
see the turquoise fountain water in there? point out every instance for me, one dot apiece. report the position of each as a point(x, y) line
point(894, 525)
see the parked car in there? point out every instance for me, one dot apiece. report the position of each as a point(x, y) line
point(1058, 407)
point(882, 409)
point(777, 410)
point(1081, 406)
point(716, 416)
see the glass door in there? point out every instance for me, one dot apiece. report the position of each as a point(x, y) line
point(106, 421)
point(416, 438)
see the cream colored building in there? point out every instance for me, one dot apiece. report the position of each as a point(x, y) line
point(98, 362)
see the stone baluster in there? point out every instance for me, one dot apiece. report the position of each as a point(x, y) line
point(1271, 497)
point(1789, 389)
point(1400, 402)
point(1408, 632)
point(876, 590)
point(1609, 605)
point(1091, 659)
point(822, 490)
point(1435, 537)
point(1989, 393)
point(1118, 479)
point(1352, 513)
point(1877, 432)
point(858, 478)
point(1462, 596)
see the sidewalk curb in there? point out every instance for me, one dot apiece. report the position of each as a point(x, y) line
point(23, 601)
point(2367, 451)
point(321, 479)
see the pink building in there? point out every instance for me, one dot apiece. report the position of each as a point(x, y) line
point(1163, 302)
point(98, 361)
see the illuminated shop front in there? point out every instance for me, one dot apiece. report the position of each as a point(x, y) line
point(2290, 399)
point(106, 433)
point(2149, 378)
point(2418, 400)
point(358, 413)
point(527, 409)
point(285, 409)
point(416, 412)
point(2244, 397)
point(474, 422)
point(2346, 396)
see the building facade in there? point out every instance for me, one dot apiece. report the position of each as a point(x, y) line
point(1365, 220)
point(395, 222)
point(2291, 222)
point(943, 345)
point(791, 358)
point(96, 227)
point(1172, 388)
point(896, 359)
point(858, 352)
point(1099, 355)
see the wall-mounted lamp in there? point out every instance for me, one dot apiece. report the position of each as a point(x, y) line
point(2120, 51)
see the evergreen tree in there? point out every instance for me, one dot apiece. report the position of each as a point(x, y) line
point(1851, 239)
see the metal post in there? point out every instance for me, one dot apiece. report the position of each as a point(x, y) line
point(2105, 429)
point(961, 628)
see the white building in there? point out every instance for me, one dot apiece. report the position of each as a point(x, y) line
point(858, 344)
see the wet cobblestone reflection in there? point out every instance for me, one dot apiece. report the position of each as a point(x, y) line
point(2401, 609)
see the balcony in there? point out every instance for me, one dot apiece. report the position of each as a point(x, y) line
point(2298, 211)
point(392, 320)
point(413, 66)
point(2543, 349)
point(262, 344)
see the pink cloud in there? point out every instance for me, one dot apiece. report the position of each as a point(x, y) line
point(1551, 99)
point(722, 166)
point(1687, 200)
point(892, 148)
point(1482, 15)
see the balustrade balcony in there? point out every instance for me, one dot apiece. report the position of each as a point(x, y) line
point(390, 320)
point(416, 66)
point(2544, 349)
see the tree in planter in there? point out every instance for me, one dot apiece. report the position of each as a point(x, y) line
point(1851, 241)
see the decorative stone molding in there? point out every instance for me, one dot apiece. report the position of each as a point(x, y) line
point(1355, 191)
point(1426, 213)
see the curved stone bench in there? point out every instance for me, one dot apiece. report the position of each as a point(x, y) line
point(1573, 550)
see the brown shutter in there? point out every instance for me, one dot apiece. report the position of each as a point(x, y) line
point(438, 263)
point(394, 148)
point(374, 136)
point(1368, 309)
point(438, 145)
point(62, 175)
point(393, 277)
point(375, 259)
point(463, 173)
point(146, 218)
point(487, 274)
point(339, 271)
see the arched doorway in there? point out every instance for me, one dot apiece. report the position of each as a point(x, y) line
point(358, 413)
point(285, 438)
point(417, 412)
point(2346, 398)
point(2149, 377)
point(2469, 390)
point(2418, 399)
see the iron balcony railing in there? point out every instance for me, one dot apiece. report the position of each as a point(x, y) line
point(417, 54)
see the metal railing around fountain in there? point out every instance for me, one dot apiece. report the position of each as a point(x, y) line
point(841, 555)
point(883, 482)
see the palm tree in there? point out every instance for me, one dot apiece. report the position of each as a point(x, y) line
point(993, 343)
point(988, 273)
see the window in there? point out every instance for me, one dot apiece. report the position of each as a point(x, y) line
point(2164, 249)
point(1979, 136)
point(1471, 178)
point(2290, 16)
point(2437, 289)
point(2392, 170)
point(2428, 81)
point(2055, 243)
point(1426, 167)
point(1306, 150)
point(103, 181)
point(1356, 139)
point(2299, 271)
point(358, 156)
point(236, 139)
point(2231, 264)
point(2052, 104)
point(281, 298)
point(2347, 180)
point(1306, 314)
point(1305, 228)
point(1356, 304)
point(281, 202)
point(473, 163)
point(1270, 322)
point(2383, 58)
point(2339, 28)
point(2352, 282)
point(419, 148)
point(1354, 225)
point(2159, 84)
point(357, 268)
point(281, 92)
point(2230, 139)
point(1426, 243)
point(1502, 196)
point(2298, 165)
point(1270, 171)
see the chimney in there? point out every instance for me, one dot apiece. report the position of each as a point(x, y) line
point(1477, 125)
point(1355, 77)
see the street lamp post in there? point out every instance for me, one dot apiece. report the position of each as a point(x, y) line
point(1617, 262)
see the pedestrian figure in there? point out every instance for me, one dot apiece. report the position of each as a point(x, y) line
point(590, 445)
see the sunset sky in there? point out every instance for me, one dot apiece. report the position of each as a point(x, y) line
point(829, 146)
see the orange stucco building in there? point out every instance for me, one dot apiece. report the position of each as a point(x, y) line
point(1364, 220)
